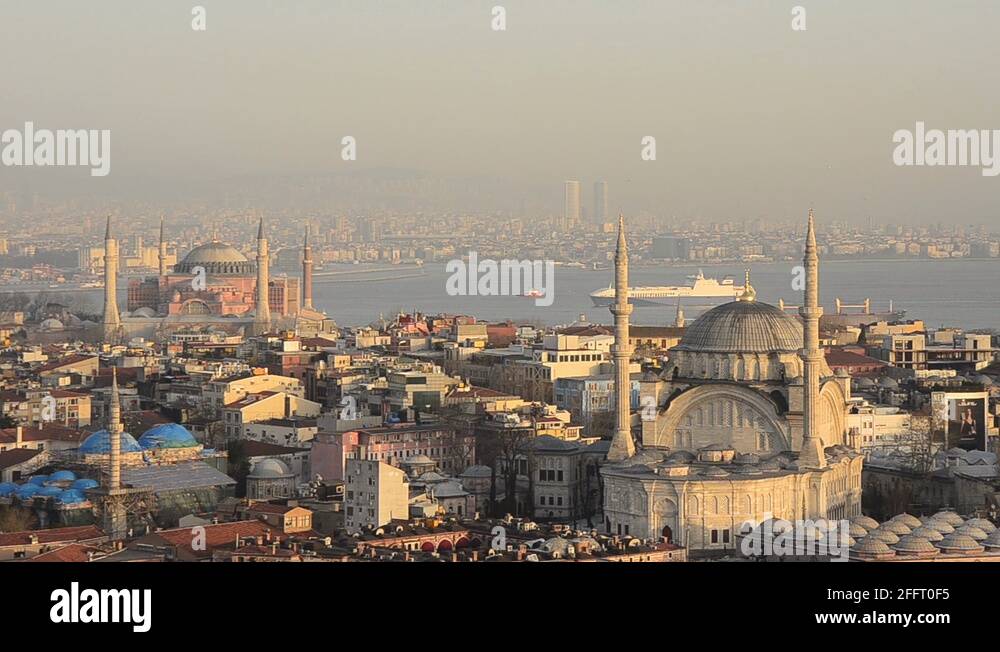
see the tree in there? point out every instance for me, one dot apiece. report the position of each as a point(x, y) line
point(239, 466)
point(16, 519)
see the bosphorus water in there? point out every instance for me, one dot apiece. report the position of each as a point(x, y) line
point(964, 293)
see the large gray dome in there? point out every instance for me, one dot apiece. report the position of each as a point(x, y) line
point(218, 258)
point(743, 327)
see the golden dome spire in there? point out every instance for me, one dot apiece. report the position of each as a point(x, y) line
point(749, 294)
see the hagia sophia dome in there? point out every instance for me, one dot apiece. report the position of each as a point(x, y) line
point(218, 259)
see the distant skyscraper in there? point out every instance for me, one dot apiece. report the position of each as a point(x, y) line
point(600, 202)
point(572, 215)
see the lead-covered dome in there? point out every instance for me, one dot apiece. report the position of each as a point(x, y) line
point(167, 435)
point(743, 327)
point(218, 259)
point(100, 443)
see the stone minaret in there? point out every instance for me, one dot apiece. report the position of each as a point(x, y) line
point(679, 318)
point(812, 455)
point(163, 251)
point(262, 317)
point(115, 429)
point(307, 273)
point(112, 320)
point(622, 445)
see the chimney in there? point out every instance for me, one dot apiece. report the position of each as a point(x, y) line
point(20, 435)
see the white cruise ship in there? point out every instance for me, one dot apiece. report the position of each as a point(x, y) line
point(701, 292)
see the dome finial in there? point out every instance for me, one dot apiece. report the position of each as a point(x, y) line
point(749, 294)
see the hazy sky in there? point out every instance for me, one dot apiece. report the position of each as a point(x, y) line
point(751, 117)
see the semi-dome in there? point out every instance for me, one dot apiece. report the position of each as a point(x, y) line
point(167, 435)
point(270, 468)
point(218, 259)
point(99, 443)
point(743, 327)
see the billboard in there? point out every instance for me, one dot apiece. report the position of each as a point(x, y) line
point(967, 423)
point(962, 418)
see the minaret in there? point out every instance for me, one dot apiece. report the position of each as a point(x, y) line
point(622, 445)
point(112, 320)
point(115, 430)
point(812, 455)
point(163, 251)
point(307, 273)
point(679, 319)
point(113, 503)
point(262, 316)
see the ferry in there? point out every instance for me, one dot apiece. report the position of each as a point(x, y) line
point(700, 291)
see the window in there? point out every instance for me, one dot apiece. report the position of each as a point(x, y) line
point(715, 536)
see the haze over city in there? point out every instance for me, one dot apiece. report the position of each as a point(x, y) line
point(752, 119)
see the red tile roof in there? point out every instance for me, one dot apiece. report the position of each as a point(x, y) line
point(48, 432)
point(216, 535)
point(73, 553)
point(16, 456)
point(53, 535)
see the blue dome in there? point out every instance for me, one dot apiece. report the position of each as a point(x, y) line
point(70, 497)
point(84, 483)
point(62, 476)
point(26, 490)
point(7, 488)
point(100, 443)
point(39, 479)
point(49, 491)
point(167, 435)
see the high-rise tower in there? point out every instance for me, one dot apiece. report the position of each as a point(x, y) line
point(307, 273)
point(262, 315)
point(622, 445)
point(600, 202)
point(812, 455)
point(572, 214)
point(112, 319)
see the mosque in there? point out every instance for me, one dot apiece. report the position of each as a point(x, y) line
point(745, 422)
point(215, 287)
point(125, 483)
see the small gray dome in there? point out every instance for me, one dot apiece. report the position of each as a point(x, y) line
point(971, 531)
point(983, 524)
point(270, 468)
point(896, 527)
point(910, 520)
point(928, 533)
point(915, 545)
point(888, 536)
point(866, 522)
point(956, 542)
point(950, 517)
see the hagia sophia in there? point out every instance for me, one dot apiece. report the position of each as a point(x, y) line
point(747, 423)
point(214, 286)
